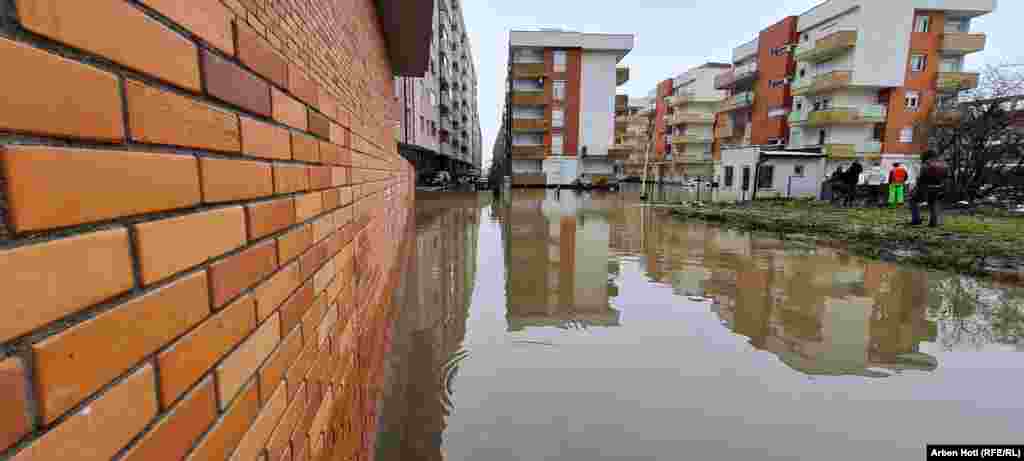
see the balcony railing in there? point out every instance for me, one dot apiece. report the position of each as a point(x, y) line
point(687, 157)
point(844, 151)
point(528, 98)
point(691, 117)
point(620, 151)
point(738, 101)
point(957, 81)
point(873, 113)
point(529, 124)
point(699, 138)
point(525, 152)
point(822, 83)
point(962, 43)
point(528, 70)
point(691, 97)
point(736, 76)
point(829, 46)
point(621, 75)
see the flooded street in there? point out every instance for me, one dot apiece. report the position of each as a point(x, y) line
point(586, 326)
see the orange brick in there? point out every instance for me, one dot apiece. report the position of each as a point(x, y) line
point(53, 187)
point(238, 367)
point(172, 437)
point(323, 276)
point(14, 416)
point(323, 227)
point(266, 218)
point(346, 195)
point(301, 86)
point(276, 290)
point(256, 53)
point(56, 96)
point(210, 234)
point(190, 357)
point(327, 104)
point(128, 407)
point(296, 306)
point(311, 319)
point(256, 438)
point(299, 369)
point(340, 176)
point(319, 125)
point(294, 243)
point(208, 19)
point(277, 445)
point(76, 362)
point(265, 140)
point(290, 178)
point(288, 110)
point(339, 135)
point(47, 281)
point(226, 180)
point(307, 206)
point(74, 23)
point(161, 117)
point(311, 261)
point(300, 448)
point(225, 435)
point(331, 199)
point(238, 272)
point(330, 154)
point(273, 370)
point(306, 148)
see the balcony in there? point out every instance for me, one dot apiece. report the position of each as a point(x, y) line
point(620, 151)
point(828, 47)
point(528, 98)
point(874, 113)
point(738, 101)
point(690, 97)
point(947, 117)
point(691, 117)
point(724, 131)
point(528, 70)
point(738, 76)
point(962, 43)
point(701, 157)
point(529, 124)
point(699, 138)
point(957, 81)
point(850, 151)
point(621, 119)
point(529, 152)
point(621, 75)
point(745, 51)
point(822, 83)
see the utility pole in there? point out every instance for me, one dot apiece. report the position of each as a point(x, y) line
point(647, 153)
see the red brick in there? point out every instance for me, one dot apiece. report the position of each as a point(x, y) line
point(290, 178)
point(51, 95)
point(256, 53)
point(331, 199)
point(75, 363)
point(319, 177)
point(288, 110)
point(294, 243)
point(208, 19)
point(225, 435)
point(305, 148)
point(299, 369)
point(189, 358)
point(226, 180)
point(174, 435)
point(277, 445)
point(242, 363)
point(331, 154)
point(231, 83)
point(53, 187)
point(87, 434)
point(266, 218)
point(161, 117)
point(256, 438)
point(272, 293)
point(323, 227)
point(327, 104)
point(339, 135)
point(273, 371)
point(74, 23)
point(14, 416)
point(265, 140)
point(319, 125)
point(340, 176)
point(209, 234)
point(231, 276)
point(311, 261)
point(308, 206)
point(47, 281)
point(296, 306)
point(344, 118)
point(300, 448)
point(311, 319)
point(301, 86)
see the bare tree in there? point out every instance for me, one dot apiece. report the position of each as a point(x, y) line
point(981, 136)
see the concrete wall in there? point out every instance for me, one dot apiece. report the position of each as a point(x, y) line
point(597, 102)
point(204, 228)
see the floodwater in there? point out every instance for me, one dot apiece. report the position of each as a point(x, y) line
point(538, 326)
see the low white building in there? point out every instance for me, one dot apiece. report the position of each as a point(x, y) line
point(775, 174)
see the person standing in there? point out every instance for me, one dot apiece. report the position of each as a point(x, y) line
point(929, 189)
point(852, 179)
point(897, 184)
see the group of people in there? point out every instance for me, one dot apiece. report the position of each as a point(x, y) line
point(928, 187)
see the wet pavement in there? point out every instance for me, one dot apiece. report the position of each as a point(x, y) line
point(586, 326)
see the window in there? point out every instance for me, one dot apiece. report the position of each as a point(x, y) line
point(798, 170)
point(922, 23)
point(779, 51)
point(951, 64)
point(777, 83)
point(878, 133)
point(560, 61)
point(806, 37)
point(559, 90)
point(907, 135)
point(765, 175)
point(913, 100)
point(730, 173)
point(777, 112)
point(556, 144)
point(803, 72)
point(918, 62)
point(557, 118)
point(799, 105)
point(955, 25)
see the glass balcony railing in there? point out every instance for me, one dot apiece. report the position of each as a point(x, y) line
point(822, 83)
point(962, 43)
point(872, 113)
point(829, 46)
point(738, 101)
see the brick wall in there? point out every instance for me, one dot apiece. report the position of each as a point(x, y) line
point(200, 217)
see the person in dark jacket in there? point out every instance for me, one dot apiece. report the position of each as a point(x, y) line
point(851, 179)
point(929, 189)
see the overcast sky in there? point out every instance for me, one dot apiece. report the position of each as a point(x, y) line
point(671, 36)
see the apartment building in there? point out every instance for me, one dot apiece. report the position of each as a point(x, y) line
point(632, 133)
point(849, 80)
point(688, 119)
point(439, 117)
point(560, 105)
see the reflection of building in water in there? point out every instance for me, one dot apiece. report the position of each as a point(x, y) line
point(434, 297)
point(558, 269)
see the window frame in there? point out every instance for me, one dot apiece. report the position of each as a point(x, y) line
point(564, 65)
point(923, 61)
point(557, 85)
point(912, 100)
point(729, 176)
point(766, 171)
point(560, 144)
point(922, 21)
point(559, 121)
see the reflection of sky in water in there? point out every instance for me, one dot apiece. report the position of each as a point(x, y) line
point(782, 362)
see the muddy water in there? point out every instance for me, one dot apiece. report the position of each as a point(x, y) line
point(588, 327)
